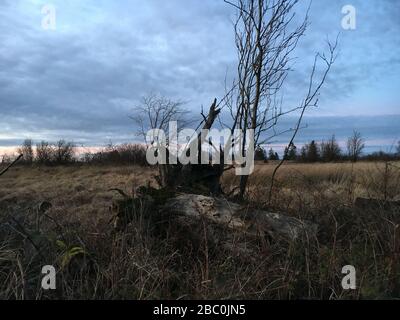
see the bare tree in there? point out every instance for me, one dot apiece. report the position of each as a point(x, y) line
point(265, 40)
point(43, 152)
point(26, 150)
point(355, 146)
point(155, 112)
point(398, 148)
point(63, 152)
point(330, 150)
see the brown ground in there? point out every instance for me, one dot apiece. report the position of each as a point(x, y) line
point(137, 265)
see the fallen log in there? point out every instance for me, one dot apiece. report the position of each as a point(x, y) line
point(196, 223)
point(161, 206)
point(216, 210)
point(239, 218)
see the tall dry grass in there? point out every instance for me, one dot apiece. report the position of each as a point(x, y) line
point(94, 263)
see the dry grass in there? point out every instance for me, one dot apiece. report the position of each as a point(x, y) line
point(139, 264)
point(337, 182)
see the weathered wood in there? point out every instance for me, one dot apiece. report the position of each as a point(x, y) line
point(239, 218)
point(199, 178)
point(161, 206)
point(214, 209)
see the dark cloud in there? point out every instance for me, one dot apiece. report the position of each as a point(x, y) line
point(82, 80)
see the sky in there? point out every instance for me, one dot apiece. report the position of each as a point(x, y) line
point(82, 80)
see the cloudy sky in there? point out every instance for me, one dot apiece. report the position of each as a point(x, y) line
point(82, 80)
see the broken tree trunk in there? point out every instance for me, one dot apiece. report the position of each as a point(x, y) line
point(199, 178)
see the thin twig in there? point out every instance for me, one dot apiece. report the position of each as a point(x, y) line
point(10, 165)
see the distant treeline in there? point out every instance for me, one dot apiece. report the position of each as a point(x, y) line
point(66, 153)
point(328, 151)
point(119, 154)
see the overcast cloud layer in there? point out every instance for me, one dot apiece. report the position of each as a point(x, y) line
point(82, 80)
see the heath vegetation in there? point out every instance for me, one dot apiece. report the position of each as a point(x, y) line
point(93, 262)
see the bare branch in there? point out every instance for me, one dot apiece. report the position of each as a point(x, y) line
point(11, 164)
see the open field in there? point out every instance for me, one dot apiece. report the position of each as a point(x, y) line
point(95, 263)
